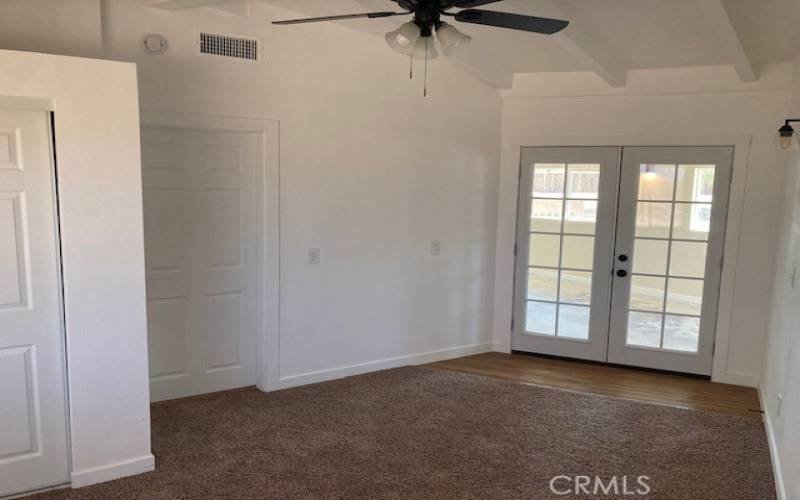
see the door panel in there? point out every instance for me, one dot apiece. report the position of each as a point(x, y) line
point(564, 250)
point(201, 242)
point(671, 226)
point(33, 434)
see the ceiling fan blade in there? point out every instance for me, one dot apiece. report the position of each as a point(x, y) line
point(468, 4)
point(512, 21)
point(366, 15)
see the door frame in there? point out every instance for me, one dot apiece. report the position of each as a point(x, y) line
point(268, 203)
point(507, 228)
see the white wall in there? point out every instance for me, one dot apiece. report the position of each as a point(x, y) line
point(690, 102)
point(72, 27)
point(99, 177)
point(371, 172)
point(782, 371)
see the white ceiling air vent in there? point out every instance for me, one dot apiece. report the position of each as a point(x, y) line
point(239, 47)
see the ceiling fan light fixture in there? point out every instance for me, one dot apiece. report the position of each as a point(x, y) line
point(404, 38)
point(451, 39)
point(425, 49)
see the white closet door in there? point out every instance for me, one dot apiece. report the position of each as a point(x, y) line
point(33, 422)
point(201, 244)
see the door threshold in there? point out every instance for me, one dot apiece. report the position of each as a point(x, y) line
point(612, 365)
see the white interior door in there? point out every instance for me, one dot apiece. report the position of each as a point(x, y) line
point(202, 235)
point(670, 239)
point(33, 422)
point(565, 242)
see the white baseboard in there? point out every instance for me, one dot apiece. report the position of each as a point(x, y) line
point(736, 378)
point(382, 364)
point(503, 347)
point(773, 448)
point(113, 471)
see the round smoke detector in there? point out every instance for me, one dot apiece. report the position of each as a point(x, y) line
point(154, 44)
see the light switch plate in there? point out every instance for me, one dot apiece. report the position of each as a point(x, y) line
point(313, 256)
point(436, 247)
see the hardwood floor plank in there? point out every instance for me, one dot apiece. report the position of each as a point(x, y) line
point(672, 390)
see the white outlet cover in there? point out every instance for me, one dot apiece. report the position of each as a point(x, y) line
point(313, 256)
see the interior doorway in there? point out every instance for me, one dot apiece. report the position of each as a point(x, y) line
point(619, 254)
point(202, 237)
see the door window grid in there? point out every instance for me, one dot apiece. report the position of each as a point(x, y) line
point(557, 183)
point(702, 191)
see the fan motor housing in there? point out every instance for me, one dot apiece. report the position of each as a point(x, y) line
point(427, 15)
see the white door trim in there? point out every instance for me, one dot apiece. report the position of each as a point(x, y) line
point(28, 103)
point(507, 225)
point(268, 335)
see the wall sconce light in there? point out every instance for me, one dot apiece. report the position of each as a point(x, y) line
point(786, 133)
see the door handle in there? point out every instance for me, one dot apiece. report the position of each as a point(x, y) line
point(622, 273)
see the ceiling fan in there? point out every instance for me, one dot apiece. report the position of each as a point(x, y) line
point(415, 37)
point(428, 19)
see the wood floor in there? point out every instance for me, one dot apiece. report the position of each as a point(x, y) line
point(673, 390)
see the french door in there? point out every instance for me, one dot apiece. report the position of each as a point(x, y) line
point(619, 254)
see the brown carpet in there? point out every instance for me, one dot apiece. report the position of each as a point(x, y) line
point(419, 433)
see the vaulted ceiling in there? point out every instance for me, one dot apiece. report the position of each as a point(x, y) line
point(608, 37)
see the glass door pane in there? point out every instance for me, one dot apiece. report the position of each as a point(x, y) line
point(563, 221)
point(670, 253)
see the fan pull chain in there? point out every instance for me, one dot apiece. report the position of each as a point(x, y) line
point(411, 66)
point(425, 88)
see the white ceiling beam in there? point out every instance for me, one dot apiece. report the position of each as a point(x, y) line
point(183, 4)
point(586, 47)
point(237, 7)
point(720, 22)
